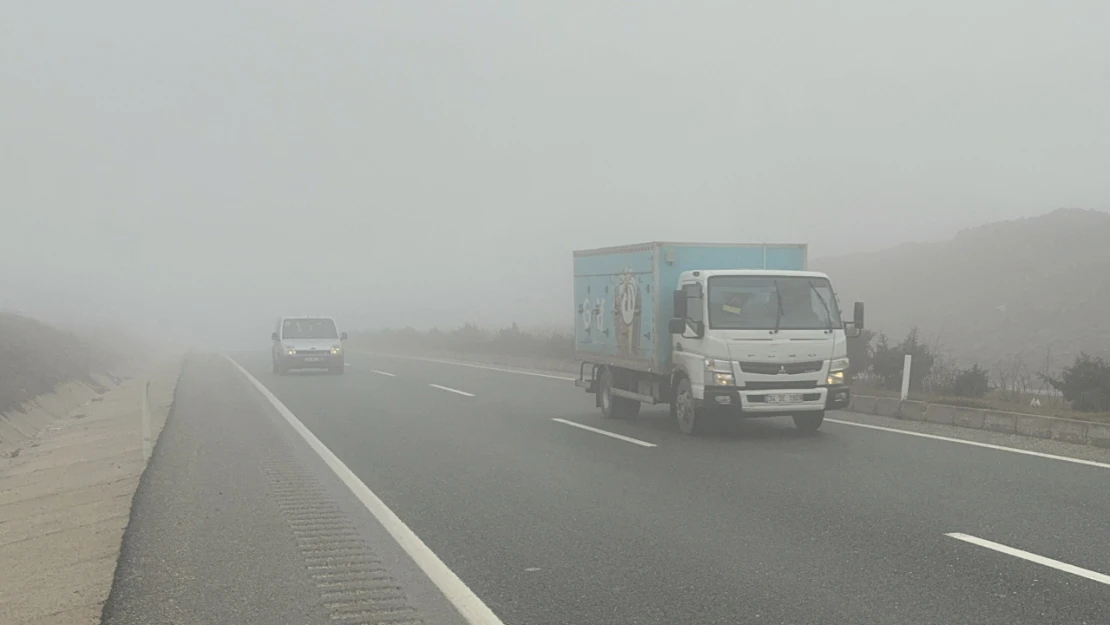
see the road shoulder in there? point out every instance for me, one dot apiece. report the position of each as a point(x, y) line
point(235, 520)
point(65, 500)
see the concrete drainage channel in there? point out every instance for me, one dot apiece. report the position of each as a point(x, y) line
point(1035, 426)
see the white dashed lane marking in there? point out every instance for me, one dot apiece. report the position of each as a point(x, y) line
point(452, 390)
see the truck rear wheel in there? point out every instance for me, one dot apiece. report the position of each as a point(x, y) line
point(614, 407)
point(809, 422)
point(690, 419)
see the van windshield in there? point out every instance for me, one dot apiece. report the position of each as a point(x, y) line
point(770, 302)
point(309, 329)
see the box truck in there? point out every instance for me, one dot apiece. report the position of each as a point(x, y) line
point(713, 330)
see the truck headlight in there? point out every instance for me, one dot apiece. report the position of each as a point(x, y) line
point(291, 351)
point(335, 351)
point(836, 371)
point(719, 373)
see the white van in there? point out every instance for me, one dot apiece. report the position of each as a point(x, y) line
point(307, 343)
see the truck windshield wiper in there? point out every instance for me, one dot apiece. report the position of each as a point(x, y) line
point(828, 313)
point(778, 313)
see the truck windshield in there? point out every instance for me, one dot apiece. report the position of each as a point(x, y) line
point(772, 302)
point(309, 329)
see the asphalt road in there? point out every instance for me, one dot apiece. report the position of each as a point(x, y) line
point(553, 524)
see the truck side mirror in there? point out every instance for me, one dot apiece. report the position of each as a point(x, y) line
point(680, 300)
point(343, 336)
point(677, 325)
point(857, 316)
point(273, 336)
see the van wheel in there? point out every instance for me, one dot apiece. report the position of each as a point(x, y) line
point(614, 407)
point(809, 422)
point(690, 419)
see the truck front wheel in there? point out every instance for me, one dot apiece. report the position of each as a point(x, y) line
point(690, 420)
point(614, 407)
point(809, 422)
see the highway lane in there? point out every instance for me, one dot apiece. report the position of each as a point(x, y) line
point(553, 524)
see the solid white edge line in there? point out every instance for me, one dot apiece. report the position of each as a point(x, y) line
point(485, 367)
point(452, 390)
point(385, 373)
point(1090, 463)
point(454, 589)
point(1032, 557)
point(621, 437)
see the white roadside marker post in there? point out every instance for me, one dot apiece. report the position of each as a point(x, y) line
point(906, 378)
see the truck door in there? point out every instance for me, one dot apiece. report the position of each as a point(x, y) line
point(688, 352)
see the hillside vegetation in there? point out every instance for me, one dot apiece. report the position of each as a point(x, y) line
point(1033, 290)
point(35, 357)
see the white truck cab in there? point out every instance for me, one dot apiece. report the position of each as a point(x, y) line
point(760, 342)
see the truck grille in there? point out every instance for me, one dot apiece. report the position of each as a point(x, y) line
point(781, 368)
point(772, 386)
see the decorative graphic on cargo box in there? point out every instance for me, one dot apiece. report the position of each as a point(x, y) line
point(627, 306)
point(620, 321)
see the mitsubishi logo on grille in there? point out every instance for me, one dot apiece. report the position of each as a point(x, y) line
point(782, 369)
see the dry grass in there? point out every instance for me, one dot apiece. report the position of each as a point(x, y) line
point(996, 400)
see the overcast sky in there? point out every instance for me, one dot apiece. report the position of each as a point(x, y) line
point(205, 167)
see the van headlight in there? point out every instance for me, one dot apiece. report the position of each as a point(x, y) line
point(335, 351)
point(719, 373)
point(291, 351)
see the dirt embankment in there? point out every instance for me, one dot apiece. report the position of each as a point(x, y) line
point(35, 358)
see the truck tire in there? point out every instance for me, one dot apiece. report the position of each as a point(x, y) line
point(690, 419)
point(809, 422)
point(614, 407)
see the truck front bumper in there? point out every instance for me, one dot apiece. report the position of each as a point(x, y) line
point(756, 403)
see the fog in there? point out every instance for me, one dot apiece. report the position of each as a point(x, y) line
point(196, 170)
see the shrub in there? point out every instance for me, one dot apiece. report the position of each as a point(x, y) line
point(887, 361)
point(859, 352)
point(1085, 384)
point(470, 338)
point(973, 382)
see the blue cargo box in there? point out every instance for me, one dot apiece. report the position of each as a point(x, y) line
point(623, 295)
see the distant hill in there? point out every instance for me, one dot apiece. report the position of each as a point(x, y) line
point(1004, 290)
